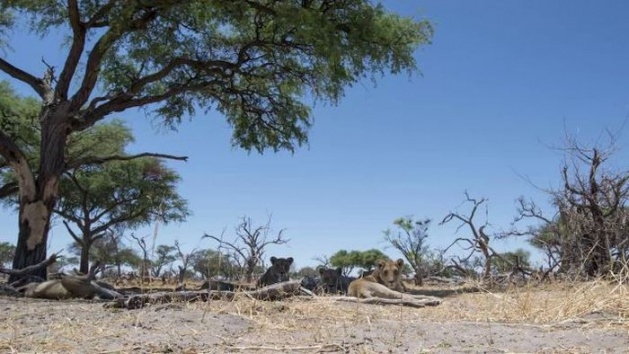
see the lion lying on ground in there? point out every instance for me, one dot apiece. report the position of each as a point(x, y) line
point(384, 286)
point(385, 281)
point(278, 271)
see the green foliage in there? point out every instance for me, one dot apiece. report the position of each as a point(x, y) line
point(7, 250)
point(18, 120)
point(133, 191)
point(110, 251)
point(518, 258)
point(410, 241)
point(164, 255)
point(306, 272)
point(210, 263)
point(356, 259)
point(252, 61)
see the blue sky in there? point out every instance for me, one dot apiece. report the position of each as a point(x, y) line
point(501, 81)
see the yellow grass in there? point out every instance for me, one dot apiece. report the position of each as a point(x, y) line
point(597, 304)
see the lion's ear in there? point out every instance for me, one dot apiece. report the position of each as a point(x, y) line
point(400, 262)
point(381, 263)
point(321, 271)
point(273, 259)
point(290, 260)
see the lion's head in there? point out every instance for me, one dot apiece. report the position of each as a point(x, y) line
point(389, 272)
point(280, 267)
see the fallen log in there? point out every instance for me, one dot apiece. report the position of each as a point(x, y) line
point(8, 290)
point(22, 273)
point(273, 292)
point(415, 301)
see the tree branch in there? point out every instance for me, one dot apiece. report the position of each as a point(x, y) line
point(76, 49)
point(95, 58)
point(94, 160)
point(35, 83)
point(8, 189)
point(30, 269)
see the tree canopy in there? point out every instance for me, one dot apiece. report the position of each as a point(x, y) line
point(254, 61)
point(348, 260)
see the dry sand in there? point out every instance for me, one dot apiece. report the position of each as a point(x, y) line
point(573, 319)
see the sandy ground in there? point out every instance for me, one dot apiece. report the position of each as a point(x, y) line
point(304, 326)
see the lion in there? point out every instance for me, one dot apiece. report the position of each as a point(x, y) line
point(277, 272)
point(385, 282)
point(333, 281)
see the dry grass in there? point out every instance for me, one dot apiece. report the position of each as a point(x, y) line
point(309, 325)
point(545, 304)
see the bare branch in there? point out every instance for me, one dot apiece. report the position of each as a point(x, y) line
point(95, 160)
point(35, 83)
point(30, 269)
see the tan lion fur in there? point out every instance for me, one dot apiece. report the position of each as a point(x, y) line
point(384, 282)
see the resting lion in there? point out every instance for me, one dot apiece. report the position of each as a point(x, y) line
point(384, 282)
point(277, 272)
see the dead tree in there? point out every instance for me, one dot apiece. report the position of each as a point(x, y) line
point(324, 261)
point(589, 232)
point(145, 265)
point(249, 244)
point(478, 243)
point(186, 259)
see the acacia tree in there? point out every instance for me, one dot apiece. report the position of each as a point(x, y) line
point(253, 61)
point(249, 244)
point(348, 260)
point(109, 250)
point(211, 263)
point(411, 243)
point(94, 199)
point(115, 194)
point(164, 255)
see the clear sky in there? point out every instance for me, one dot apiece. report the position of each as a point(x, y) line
point(501, 81)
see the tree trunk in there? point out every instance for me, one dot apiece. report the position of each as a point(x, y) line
point(84, 266)
point(251, 265)
point(182, 274)
point(37, 195)
point(30, 253)
point(419, 280)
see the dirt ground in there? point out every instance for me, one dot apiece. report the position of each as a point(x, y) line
point(587, 318)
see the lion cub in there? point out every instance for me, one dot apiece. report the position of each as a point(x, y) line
point(277, 272)
point(388, 274)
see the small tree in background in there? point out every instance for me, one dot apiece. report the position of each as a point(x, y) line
point(350, 260)
point(249, 244)
point(410, 241)
point(477, 243)
point(7, 250)
point(125, 194)
point(307, 272)
point(512, 260)
point(164, 256)
point(186, 259)
point(210, 263)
